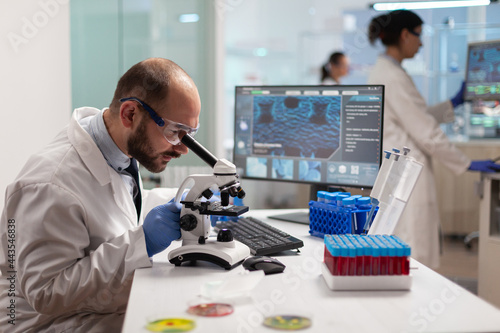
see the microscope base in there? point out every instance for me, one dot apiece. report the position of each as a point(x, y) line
point(227, 255)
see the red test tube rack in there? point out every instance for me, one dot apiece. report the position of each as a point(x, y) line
point(366, 262)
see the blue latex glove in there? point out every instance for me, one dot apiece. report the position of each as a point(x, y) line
point(484, 166)
point(161, 227)
point(459, 97)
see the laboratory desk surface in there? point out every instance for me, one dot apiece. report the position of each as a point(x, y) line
point(434, 303)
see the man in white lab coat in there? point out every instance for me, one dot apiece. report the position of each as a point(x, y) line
point(72, 230)
point(408, 121)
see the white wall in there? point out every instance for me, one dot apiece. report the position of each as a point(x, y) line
point(35, 87)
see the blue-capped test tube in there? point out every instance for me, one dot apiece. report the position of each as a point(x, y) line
point(340, 197)
point(331, 198)
point(320, 196)
point(364, 205)
point(349, 203)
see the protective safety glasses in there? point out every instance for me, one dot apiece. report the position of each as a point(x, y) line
point(414, 33)
point(169, 129)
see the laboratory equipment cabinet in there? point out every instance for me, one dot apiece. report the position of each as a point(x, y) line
point(489, 239)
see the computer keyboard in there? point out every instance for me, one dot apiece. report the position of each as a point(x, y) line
point(262, 238)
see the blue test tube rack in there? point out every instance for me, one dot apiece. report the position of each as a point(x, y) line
point(329, 218)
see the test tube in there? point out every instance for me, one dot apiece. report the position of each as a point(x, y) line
point(320, 196)
point(351, 257)
point(340, 197)
point(375, 256)
point(367, 255)
point(363, 207)
point(359, 269)
point(405, 259)
point(343, 261)
point(349, 204)
point(332, 252)
point(330, 198)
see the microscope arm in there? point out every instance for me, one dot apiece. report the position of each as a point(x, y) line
point(224, 176)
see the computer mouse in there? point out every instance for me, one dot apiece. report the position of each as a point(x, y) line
point(267, 264)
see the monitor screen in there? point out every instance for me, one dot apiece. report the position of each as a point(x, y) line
point(328, 135)
point(483, 71)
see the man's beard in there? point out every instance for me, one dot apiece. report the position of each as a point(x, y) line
point(139, 147)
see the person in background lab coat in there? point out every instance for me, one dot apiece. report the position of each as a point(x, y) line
point(336, 68)
point(76, 222)
point(408, 121)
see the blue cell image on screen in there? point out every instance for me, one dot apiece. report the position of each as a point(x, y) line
point(310, 171)
point(256, 167)
point(282, 169)
point(484, 65)
point(483, 71)
point(296, 126)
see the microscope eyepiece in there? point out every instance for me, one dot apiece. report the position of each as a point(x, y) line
point(199, 150)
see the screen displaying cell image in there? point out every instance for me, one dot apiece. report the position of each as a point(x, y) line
point(256, 167)
point(309, 134)
point(483, 71)
point(310, 171)
point(282, 169)
point(296, 126)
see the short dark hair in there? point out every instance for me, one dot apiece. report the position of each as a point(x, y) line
point(147, 80)
point(334, 59)
point(388, 26)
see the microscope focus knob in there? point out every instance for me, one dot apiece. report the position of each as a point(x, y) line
point(188, 222)
point(224, 235)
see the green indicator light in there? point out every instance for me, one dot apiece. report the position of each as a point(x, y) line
point(256, 92)
point(476, 121)
point(489, 123)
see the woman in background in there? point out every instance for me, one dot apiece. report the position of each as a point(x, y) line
point(336, 67)
point(408, 121)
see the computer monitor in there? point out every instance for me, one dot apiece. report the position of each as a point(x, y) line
point(483, 71)
point(318, 135)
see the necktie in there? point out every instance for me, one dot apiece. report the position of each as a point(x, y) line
point(134, 172)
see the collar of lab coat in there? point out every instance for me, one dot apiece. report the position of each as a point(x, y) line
point(391, 60)
point(86, 147)
point(96, 163)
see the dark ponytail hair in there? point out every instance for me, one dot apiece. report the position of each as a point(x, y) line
point(388, 26)
point(334, 60)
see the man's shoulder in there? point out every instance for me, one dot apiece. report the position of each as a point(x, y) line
point(43, 165)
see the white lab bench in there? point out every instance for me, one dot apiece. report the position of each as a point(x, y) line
point(434, 304)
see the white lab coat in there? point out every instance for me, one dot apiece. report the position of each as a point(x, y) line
point(408, 121)
point(77, 239)
point(328, 81)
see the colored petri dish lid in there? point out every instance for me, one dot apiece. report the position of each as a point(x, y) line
point(171, 325)
point(287, 322)
point(211, 309)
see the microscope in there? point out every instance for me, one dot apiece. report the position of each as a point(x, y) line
point(196, 212)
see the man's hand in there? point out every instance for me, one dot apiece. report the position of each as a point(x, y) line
point(161, 227)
